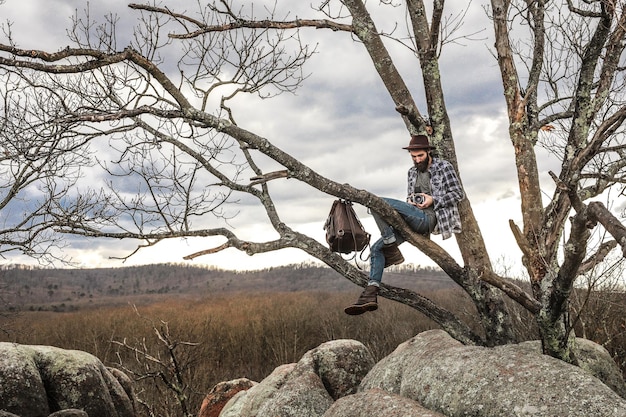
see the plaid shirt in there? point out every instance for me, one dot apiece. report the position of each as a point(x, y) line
point(446, 192)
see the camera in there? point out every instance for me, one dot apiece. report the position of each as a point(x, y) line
point(417, 198)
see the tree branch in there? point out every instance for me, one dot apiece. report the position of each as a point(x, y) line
point(599, 256)
point(243, 24)
point(597, 211)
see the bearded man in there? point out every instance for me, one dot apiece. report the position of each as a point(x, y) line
point(433, 194)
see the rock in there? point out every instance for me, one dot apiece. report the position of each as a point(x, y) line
point(247, 403)
point(220, 394)
point(127, 385)
point(330, 371)
point(304, 395)
point(22, 390)
point(594, 359)
point(376, 402)
point(72, 412)
point(38, 380)
point(443, 375)
point(341, 365)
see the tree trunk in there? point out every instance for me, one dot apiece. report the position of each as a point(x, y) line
point(557, 338)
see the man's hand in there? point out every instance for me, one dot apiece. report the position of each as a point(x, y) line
point(428, 201)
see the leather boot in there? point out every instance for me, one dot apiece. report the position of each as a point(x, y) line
point(392, 254)
point(367, 302)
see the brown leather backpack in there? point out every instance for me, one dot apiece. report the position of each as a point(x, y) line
point(344, 231)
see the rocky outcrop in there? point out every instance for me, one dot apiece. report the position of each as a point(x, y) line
point(434, 375)
point(430, 375)
point(36, 381)
point(456, 380)
point(308, 388)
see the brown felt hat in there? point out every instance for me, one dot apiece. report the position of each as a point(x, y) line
point(418, 142)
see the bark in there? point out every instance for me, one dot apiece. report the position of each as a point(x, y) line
point(557, 335)
point(598, 212)
point(523, 140)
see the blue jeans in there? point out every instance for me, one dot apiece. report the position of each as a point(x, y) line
point(415, 218)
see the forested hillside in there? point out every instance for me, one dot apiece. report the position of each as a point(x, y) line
point(28, 288)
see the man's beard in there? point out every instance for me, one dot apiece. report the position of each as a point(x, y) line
point(422, 166)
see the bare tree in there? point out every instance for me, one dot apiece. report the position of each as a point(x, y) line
point(569, 87)
point(166, 363)
point(171, 129)
point(39, 163)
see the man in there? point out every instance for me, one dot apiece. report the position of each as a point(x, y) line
point(433, 193)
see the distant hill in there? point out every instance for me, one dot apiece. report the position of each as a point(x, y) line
point(28, 288)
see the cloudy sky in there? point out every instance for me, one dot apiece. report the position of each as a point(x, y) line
point(342, 124)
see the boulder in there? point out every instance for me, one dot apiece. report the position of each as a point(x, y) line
point(376, 402)
point(340, 364)
point(302, 395)
point(220, 394)
point(71, 412)
point(36, 381)
point(330, 371)
point(22, 389)
point(512, 380)
point(247, 403)
point(127, 385)
point(594, 359)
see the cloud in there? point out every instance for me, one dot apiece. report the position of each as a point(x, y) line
point(341, 123)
